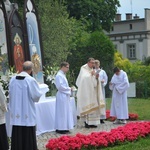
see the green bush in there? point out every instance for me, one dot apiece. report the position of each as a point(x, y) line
point(139, 74)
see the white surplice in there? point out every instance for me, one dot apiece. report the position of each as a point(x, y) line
point(119, 105)
point(103, 77)
point(89, 96)
point(3, 107)
point(22, 95)
point(64, 115)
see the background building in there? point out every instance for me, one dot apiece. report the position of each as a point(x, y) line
point(131, 37)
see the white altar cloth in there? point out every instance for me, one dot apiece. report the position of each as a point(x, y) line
point(44, 89)
point(45, 115)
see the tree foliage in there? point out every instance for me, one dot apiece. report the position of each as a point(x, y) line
point(146, 61)
point(122, 63)
point(99, 13)
point(57, 31)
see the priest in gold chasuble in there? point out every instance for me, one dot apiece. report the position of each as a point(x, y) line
point(90, 102)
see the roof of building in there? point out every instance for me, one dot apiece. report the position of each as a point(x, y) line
point(129, 21)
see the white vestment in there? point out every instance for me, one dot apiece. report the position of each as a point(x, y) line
point(119, 105)
point(103, 77)
point(64, 115)
point(3, 107)
point(89, 96)
point(22, 95)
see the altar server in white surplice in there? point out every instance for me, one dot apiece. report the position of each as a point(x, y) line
point(89, 95)
point(103, 79)
point(64, 115)
point(23, 92)
point(119, 85)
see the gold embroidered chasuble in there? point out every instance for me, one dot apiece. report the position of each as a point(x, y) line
point(90, 101)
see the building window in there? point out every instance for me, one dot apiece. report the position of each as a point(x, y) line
point(131, 51)
point(130, 26)
point(112, 28)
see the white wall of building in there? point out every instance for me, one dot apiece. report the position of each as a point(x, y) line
point(122, 35)
point(124, 26)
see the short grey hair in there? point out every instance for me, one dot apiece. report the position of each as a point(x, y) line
point(91, 58)
point(27, 65)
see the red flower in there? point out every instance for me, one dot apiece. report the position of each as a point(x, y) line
point(112, 118)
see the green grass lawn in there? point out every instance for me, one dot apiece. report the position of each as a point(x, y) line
point(142, 144)
point(138, 106)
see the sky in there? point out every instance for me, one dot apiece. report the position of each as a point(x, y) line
point(137, 7)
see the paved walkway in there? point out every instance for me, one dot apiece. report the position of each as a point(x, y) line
point(43, 138)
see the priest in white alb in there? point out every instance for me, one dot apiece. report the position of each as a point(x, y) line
point(103, 79)
point(119, 106)
point(64, 114)
point(24, 91)
point(89, 95)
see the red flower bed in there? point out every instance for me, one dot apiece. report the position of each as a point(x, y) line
point(131, 116)
point(129, 132)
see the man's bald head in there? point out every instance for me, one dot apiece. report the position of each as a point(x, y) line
point(27, 66)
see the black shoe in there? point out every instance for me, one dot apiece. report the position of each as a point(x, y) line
point(102, 121)
point(66, 130)
point(93, 126)
point(86, 125)
point(78, 117)
point(90, 126)
point(62, 131)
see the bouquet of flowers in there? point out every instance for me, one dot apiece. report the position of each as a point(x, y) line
point(50, 73)
point(4, 80)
